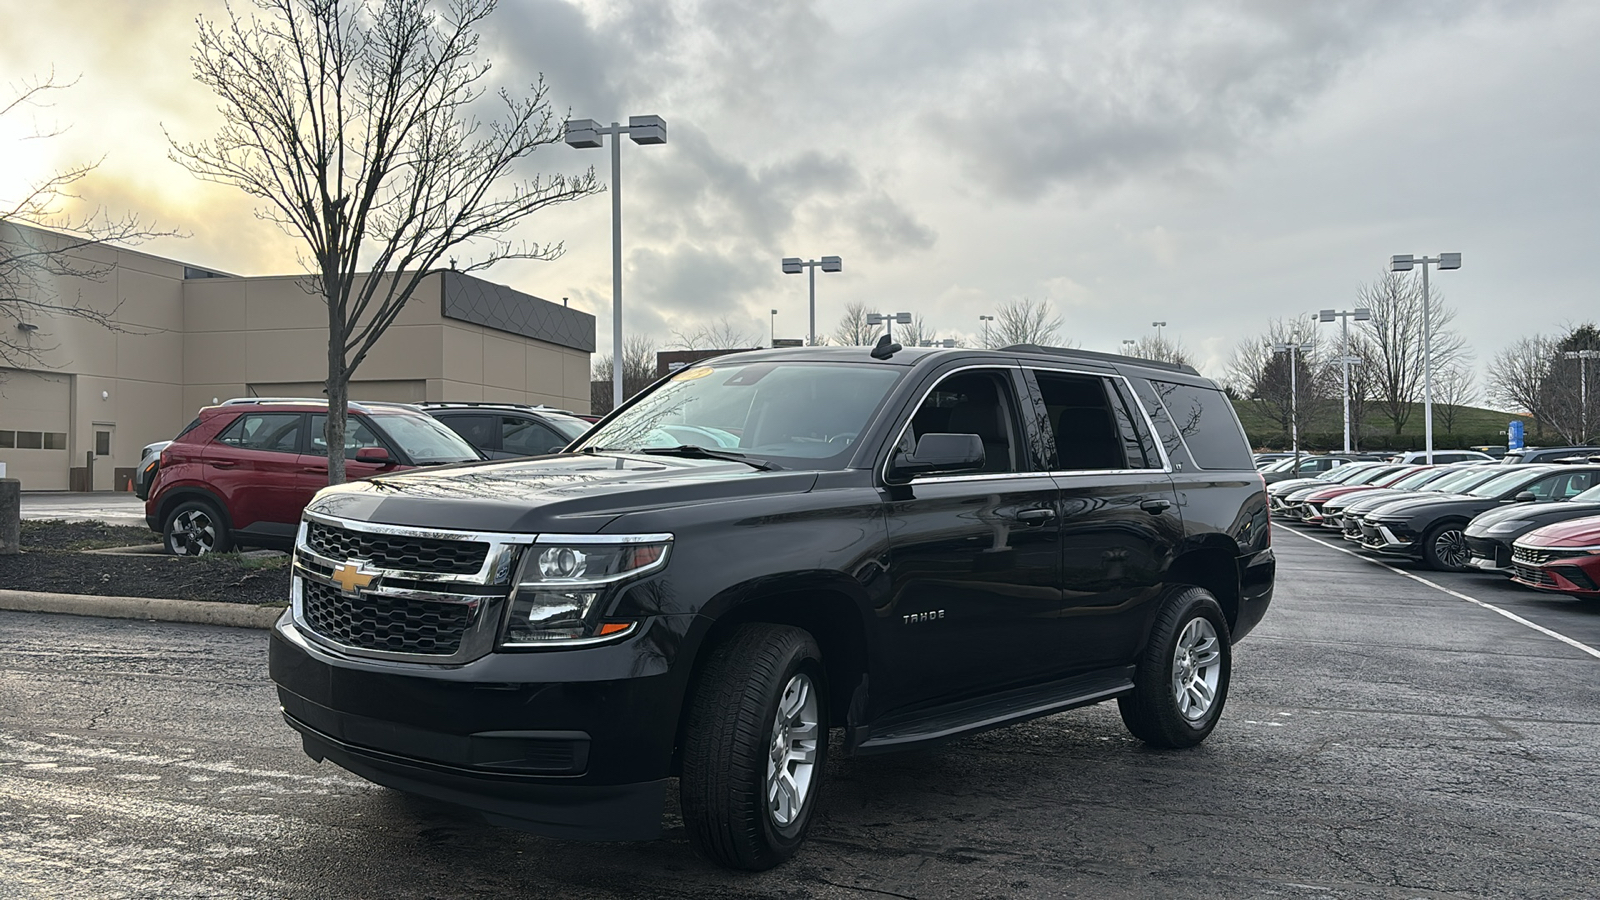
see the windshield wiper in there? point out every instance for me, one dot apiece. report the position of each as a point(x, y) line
point(695, 451)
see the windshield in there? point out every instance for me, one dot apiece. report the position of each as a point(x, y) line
point(569, 427)
point(1592, 495)
point(797, 414)
point(425, 439)
point(1370, 475)
point(1280, 465)
point(1346, 472)
point(1494, 487)
point(1418, 479)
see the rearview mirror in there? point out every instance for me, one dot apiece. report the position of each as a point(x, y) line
point(941, 453)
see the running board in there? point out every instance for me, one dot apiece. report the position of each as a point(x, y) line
point(905, 731)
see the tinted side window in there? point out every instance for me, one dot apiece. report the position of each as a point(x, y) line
point(357, 434)
point(1080, 417)
point(975, 402)
point(276, 432)
point(527, 437)
point(479, 431)
point(1207, 422)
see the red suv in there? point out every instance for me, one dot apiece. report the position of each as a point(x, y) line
point(243, 472)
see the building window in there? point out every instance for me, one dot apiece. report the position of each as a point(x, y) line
point(30, 440)
point(8, 439)
point(55, 440)
point(102, 443)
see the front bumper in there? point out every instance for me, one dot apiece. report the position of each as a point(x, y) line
point(1489, 555)
point(1380, 537)
point(573, 743)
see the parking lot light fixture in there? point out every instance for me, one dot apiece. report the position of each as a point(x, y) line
point(1158, 326)
point(1583, 357)
point(1360, 314)
point(1295, 349)
point(986, 320)
point(1405, 263)
point(887, 320)
point(794, 265)
point(588, 134)
point(1127, 346)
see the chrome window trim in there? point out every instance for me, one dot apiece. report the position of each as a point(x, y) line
point(1149, 424)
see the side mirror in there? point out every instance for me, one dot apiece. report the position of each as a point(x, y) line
point(378, 455)
point(937, 453)
point(1526, 497)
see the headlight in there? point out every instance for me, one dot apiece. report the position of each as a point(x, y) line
point(1502, 527)
point(563, 578)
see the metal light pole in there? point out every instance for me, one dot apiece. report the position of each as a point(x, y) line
point(1583, 357)
point(1293, 349)
point(888, 319)
point(1405, 264)
point(792, 266)
point(773, 337)
point(587, 134)
point(986, 320)
point(1360, 314)
point(1128, 345)
point(1158, 326)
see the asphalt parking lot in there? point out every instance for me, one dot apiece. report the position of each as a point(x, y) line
point(1384, 739)
point(111, 507)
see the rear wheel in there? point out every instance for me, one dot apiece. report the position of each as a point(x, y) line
point(754, 748)
point(1182, 679)
point(195, 528)
point(1445, 547)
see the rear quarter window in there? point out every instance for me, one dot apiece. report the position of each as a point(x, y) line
point(1205, 421)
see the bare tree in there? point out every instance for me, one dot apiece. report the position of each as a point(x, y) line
point(853, 330)
point(1025, 321)
point(1263, 377)
point(1161, 349)
point(1395, 333)
point(1519, 375)
point(638, 373)
point(722, 334)
point(42, 246)
point(353, 122)
point(1455, 389)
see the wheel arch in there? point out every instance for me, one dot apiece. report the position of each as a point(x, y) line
point(171, 498)
point(1214, 568)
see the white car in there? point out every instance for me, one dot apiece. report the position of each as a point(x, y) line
point(1443, 457)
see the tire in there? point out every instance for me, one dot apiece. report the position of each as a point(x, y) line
point(1181, 682)
point(1444, 547)
point(195, 528)
point(756, 685)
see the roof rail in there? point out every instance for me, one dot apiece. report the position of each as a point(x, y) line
point(491, 404)
point(1095, 354)
point(359, 405)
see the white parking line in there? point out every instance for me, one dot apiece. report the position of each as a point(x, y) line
point(1456, 594)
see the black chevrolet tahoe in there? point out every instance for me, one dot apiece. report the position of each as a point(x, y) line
point(899, 545)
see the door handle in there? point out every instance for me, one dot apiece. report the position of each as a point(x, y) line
point(315, 470)
point(220, 464)
point(1036, 516)
point(1155, 507)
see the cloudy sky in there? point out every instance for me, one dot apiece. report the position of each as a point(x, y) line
point(1210, 164)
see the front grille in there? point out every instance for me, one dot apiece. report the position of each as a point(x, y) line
point(389, 624)
point(1538, 556)
point(1534, 575)
point(387, 551)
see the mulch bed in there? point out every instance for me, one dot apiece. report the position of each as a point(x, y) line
point(52, 561)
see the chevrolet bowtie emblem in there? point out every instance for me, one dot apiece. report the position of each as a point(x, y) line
point(350, 578)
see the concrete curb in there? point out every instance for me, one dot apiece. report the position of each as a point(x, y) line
point(198, 612)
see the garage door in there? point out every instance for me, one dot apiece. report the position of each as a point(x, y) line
point(35, 411)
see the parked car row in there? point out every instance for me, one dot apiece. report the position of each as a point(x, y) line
point(241, 473)
point(1538, 523)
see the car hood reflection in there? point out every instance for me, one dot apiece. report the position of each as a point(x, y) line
point(574, 493)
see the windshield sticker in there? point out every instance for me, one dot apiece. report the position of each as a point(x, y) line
point(692, 374)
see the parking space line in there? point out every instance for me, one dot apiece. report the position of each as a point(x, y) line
point(1456, 594)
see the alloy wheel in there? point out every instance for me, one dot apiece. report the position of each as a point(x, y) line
point(1196, 669)
point(193, 533)
point(1451, 548)
point(791, 762)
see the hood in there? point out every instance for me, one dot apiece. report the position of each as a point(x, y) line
point(1577, 533)
point(1339, 490)
point(1403, 506)
point(1279, 488)
point(573, 493)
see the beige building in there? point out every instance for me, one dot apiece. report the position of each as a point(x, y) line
point(188, 337)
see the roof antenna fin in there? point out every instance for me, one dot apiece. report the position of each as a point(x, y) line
point(886, 348)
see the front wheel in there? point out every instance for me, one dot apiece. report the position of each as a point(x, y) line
point(1445, 548)
point(754, 747)
point(195, 528)
point(1182, 679)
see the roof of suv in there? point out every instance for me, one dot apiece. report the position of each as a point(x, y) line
point(365, 406)
point(433, 406)
point(907, 356)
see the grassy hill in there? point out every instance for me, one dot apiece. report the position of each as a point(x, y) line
point(1473, 425)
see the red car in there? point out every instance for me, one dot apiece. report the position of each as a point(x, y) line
point(242, 472)
point(1564, 557)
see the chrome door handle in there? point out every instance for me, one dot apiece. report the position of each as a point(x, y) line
point(1155, 507)
point(1035, 516)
